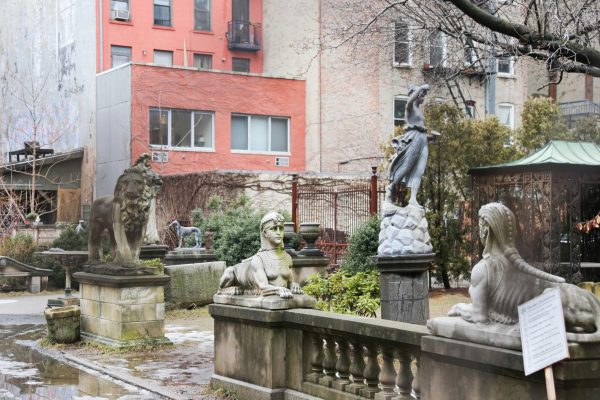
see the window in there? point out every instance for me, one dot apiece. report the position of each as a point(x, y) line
point(400, 110)
point(506, 66)
point(241, 64)
point(259, 133)
point(506, 114)
point(162, 57)
point(470, 53)
point(181, 129)
point(119, 55)
point(162, 12)
point(203, 61)
point(470, 108)
point(202, 15)
point(437, 49)
point(119, 5)
point(402, 42)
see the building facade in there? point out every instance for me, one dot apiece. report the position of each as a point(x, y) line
point(183, 81)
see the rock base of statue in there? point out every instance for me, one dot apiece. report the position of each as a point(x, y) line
point(189, 255)
point(492, 334)
point(305, 266)
point(264, 302)
point(119, 270)
point(403, 231)
point(122, 311)
point(456, 369)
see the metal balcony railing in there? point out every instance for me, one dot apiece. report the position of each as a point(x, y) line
point(243, 35)
point(582, 107)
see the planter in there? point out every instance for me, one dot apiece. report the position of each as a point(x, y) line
point(63, 323)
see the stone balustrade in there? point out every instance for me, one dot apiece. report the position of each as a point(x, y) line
point(315, 353)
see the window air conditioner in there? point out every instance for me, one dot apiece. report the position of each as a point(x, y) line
point(282, 161)
point(119, 14)
point(160, 156)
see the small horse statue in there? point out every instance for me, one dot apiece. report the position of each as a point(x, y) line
point(183, 231)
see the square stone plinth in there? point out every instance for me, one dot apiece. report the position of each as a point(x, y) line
point(122, 310)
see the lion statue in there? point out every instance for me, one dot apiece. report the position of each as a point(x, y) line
point(502, 280)
point(124, 216)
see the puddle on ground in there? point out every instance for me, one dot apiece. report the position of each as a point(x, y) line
point(27, 374)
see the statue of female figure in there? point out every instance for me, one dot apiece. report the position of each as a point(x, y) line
point(408, 164)
point(502, 280)
point(268, 272)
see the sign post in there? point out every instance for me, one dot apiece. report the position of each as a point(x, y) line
point(543, 336)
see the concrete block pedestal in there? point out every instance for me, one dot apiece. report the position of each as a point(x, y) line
point(405, 287)
point(122, 311)
point(454, 369)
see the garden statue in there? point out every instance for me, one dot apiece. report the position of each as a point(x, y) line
point(265, 280)
point(404, 229)
point(410, 157)
point(143, 161)
point(268, 272)
point(124, 216)
point(502, 280)
point(185, 231)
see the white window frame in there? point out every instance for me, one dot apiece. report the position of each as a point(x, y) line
point(249, 133)
point(511, 114)
point(169, 145)
point(399, 97)
point(114, 51)
point(511, 72)
point(118, 8)
point(202, 55)
point(409, 40)
point(209, 29)
point(444, 50)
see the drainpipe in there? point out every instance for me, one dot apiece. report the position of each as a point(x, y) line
point(101, 22)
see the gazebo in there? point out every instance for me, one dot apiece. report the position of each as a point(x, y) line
point(550, 191)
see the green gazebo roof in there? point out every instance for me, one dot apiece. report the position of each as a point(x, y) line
point(556, 152)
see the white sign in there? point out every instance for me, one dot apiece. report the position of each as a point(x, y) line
point(543, 332)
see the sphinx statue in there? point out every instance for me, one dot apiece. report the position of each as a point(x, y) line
point(267, 274)
point(502, 280)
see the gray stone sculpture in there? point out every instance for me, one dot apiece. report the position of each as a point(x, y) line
point(266, 274)
point(185, 231)
point(408, 163)
point(151, 236)
point(502, 280)
point(124, 216)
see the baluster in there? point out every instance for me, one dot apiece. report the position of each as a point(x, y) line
point(404, 377)
point(357, 366)
point(371, 373)
point(387, 376)
point(343, 365)
point(316, 359)
point(329, 362)
point(416, 383)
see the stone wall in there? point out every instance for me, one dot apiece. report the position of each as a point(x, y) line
point(192, 284)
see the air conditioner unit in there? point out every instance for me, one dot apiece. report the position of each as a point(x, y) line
point(282, 161)
point(160, 156)
point(119, 14)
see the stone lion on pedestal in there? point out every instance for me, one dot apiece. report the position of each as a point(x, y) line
point(124, 216)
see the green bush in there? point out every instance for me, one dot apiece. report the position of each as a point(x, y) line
point(20, 247)
point(155, 263)
point(344, 293)
point(362, 246)
point(235, 228)
point(68, 239)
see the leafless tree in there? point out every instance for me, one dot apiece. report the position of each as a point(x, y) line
point(563, 34)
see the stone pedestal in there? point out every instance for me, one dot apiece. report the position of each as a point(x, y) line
point(453, 369)
point(405, 287)
point(151, 251)
point(63, 324)
point(189, 256)
point(250, 351)
point(122, 311)
point(305, 266)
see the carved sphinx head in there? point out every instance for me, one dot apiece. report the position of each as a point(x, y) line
point(271, 231)
point(497, 228)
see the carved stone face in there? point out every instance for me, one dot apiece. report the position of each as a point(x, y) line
point(274, 234)
point(484, 230)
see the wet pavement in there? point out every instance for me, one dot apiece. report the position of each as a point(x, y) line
point(80, 371)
